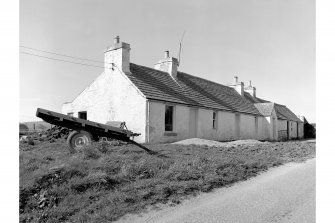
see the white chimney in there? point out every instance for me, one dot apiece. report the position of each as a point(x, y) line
point(239, 86)
point(168, 64)
point(251, 90)
point(119, 55)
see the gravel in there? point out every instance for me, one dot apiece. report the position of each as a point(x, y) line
point(212, 143)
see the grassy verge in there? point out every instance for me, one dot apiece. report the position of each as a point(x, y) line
point(105, 182)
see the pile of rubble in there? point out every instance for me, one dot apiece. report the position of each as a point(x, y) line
point(213, 143)
point(55, 132)
point(50, 135)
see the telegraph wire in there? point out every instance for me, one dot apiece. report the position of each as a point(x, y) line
point(67, 61)
point(59, 54)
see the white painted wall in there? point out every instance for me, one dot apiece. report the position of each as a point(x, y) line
point(112, 97)
point(263, 129)
point(157, 132)
point(282, 129)
point(247, 127)
point(226, 125)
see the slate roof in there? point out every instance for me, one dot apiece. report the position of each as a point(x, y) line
point(189, 90)
point(265, 108)
point(282, 111)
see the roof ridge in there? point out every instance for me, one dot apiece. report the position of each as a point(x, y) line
point(182, 73)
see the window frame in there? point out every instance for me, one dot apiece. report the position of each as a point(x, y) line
point(215, 120)
point(173, 118)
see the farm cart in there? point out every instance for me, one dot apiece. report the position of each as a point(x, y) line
point(85, 131)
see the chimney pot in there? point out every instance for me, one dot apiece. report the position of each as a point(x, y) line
point(236, 79)
point(116, 40)
point(250, 83)
point(166, 54)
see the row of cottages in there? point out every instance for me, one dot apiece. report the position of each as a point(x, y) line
point(166, 105)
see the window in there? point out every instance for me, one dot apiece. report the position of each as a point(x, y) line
point(70, 114)
point(82, 115)
point(168, 118)
point(215, 119)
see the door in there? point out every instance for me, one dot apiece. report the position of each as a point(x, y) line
point(288, 130)
point(193, 123)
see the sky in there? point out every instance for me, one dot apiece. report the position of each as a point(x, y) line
point(270, 42)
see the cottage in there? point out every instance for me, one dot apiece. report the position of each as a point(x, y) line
point(166, 105)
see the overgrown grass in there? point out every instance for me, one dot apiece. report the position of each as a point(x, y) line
point(103, 183)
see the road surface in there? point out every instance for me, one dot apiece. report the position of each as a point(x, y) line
point(282, 194)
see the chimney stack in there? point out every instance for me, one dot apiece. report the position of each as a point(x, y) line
point(119, 55)
point(238, 86)
point(168, 64)
point(251, 90)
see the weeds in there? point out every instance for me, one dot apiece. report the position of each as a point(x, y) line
point(104, 182)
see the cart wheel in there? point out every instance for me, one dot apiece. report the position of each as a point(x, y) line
point(78, 139)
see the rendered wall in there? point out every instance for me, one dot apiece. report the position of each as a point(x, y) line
point(111, 97)
point(224, 132)
point(263, 129)
point(293, 130)
point(225, 129)
point(156, 127)
point(247, 127)
point(226, 125)
point(282, 129)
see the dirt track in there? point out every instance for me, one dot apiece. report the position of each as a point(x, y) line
point(283, 194)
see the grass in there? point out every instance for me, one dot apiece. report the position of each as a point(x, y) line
point(104, 182)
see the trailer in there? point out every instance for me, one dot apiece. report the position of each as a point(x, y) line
point(85, 131)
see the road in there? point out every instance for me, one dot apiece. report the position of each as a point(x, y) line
point(282, 194)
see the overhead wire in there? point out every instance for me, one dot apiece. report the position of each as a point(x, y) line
point(59, 54)
point(67, 61)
